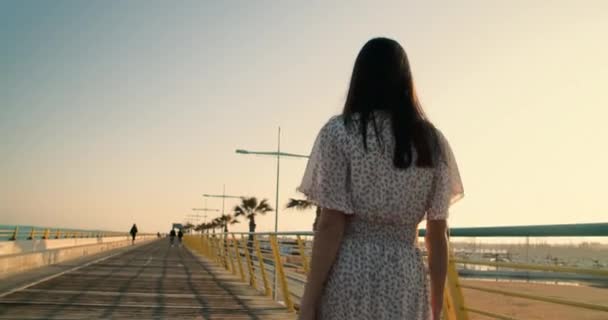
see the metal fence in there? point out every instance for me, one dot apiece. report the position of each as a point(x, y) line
point(276, 264)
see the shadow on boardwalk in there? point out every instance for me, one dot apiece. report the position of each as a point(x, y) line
point(152, 281)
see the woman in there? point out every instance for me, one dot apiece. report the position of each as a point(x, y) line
point(377, 171)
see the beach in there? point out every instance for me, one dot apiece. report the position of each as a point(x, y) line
point(532, 310)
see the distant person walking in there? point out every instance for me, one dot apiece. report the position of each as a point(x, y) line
point(133, 233)
point(172, 237)
point(180, 235)
point(377, 170)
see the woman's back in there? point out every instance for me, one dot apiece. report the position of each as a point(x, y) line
point(378, 272)
point(365, 182)
point(377, 171)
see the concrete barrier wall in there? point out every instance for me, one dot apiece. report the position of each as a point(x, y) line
point(29, 246)
point(58, 250)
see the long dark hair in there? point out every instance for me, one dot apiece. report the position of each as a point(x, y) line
point(382, 81)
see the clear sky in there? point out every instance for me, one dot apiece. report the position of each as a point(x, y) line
point(114, 112)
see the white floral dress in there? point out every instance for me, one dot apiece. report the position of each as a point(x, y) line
point(378, 273)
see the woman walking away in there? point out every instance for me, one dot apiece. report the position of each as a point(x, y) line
point(133, 233)
point(377, 170)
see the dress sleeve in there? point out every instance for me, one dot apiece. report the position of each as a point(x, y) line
point(447, 184)
point(327, 176)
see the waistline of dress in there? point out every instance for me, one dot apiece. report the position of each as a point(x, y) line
point(381, 233)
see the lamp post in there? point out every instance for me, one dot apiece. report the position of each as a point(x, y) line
point(194, 218)
point(278, 154)
point(223, 196)
point(204, 216)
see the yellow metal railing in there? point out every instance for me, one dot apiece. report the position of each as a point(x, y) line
point(276, 264)
point(269, 262)
point(534, 297)
point(599, 274)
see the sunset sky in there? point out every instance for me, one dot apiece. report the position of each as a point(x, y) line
point(115, 112)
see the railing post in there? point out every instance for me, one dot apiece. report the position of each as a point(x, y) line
point(227, 240)
point(238, 257)
point(302, 248)
point(258, 251)
point(46, 234)
point(205, 244)
point(453, 298)
point(32, 234)
point(57, 234)
point(252, 280)
point(527, 257)
point(199, 242)
point(218, 250)
point(212, 254)
point(14, 237)
point(196, 245)
point(222, 245)
point(278, 264)
point(211, 245)
point(216, 253)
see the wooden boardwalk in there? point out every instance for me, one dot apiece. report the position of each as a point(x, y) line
point(151, 281)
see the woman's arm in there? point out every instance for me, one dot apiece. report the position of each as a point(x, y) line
point(437, 248)
point(325, 248)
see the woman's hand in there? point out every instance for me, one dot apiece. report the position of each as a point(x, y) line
point(436, 314)
point(436, 307)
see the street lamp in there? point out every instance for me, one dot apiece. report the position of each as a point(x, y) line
point(277, 154)
point(198, 216)
point(223, 196)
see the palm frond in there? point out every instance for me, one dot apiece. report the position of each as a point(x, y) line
point(249, 203)
point(299, 204)
point(239, 211)
point(264, 207)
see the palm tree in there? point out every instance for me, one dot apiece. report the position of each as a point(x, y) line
point(227, 219)
point(250, 208)
point(216, 223)
point(187, 227)
point(203, 227)
point(208, 226)
point(300, 204)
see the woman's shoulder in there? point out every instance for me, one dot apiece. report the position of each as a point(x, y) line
point(333, 127)
point(439, 143)
point(335, 122)
point(331, 133)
